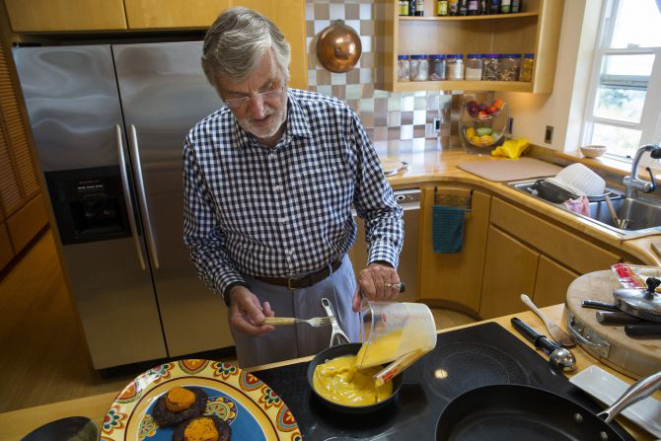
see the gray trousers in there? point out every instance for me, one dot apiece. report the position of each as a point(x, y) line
point(294, 341)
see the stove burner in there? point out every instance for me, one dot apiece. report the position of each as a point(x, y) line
point(457, 367)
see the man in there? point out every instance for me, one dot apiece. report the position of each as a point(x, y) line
point(269, 182)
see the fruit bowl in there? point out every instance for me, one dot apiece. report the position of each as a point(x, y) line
point(483, 130)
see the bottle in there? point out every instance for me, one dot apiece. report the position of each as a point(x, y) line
point(404, 8)
point(419, 8)
point(505, 6)
point(463, 7)
point(453, 7)
point(442, 8)
point(484, 7)
point(473, 7)
point(516, 6)
point(494, 6)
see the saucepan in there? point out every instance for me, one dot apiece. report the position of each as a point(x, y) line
point(513, 412)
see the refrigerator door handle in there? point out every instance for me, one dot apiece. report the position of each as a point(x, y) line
point(143, 196)
point(128, 197)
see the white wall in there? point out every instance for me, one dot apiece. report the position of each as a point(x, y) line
point(564, 108)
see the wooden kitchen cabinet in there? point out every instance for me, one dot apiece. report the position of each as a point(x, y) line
point(65, 15)
point(535, 30)
point(454, 280)
point(510, 269)
point(552, 282)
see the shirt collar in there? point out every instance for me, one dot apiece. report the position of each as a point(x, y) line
point(296, 124)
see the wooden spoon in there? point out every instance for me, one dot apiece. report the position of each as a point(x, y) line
point(555, 331)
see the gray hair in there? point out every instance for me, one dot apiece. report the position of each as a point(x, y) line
point(236, 42)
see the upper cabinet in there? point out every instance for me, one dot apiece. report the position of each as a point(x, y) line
point(148, 15)
point(65, 15)
point(534, 30)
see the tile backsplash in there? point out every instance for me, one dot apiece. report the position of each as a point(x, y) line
point(394, 121)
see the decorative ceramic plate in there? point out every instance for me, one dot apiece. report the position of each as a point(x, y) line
point(252, 409)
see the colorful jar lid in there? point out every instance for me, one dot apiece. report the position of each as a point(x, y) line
point(475, 56)
point(418, 57)
point(529, 55)
point(437, 57)
point(454, 57)
point(492, 55)
point(402, 57)
point(511, 55)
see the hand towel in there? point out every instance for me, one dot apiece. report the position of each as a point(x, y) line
point(448, 229)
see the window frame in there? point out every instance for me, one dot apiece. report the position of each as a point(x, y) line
point(650, 122)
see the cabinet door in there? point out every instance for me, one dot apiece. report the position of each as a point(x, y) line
point(509, 271)
point(6, 250)
point(65, 15)
point(552, 282)
point(455, 279)
point(288, 15)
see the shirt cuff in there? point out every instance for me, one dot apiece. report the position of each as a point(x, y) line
point(226, 281)
point(380, 252)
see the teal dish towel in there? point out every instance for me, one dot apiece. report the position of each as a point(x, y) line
point(448, 229)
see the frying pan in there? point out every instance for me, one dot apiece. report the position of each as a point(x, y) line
point(338, 351)
point(514, 412)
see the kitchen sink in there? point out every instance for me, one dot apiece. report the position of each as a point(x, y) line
point(641, 216)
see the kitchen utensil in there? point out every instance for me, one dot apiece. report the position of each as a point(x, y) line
point(551, 192)
point(610, 345)
point(337, 334)
point(392, 330)
point(315, 322)
point(76, 428)
point(615, 318)
point(607, 388)
point(596, 304)
point(611, 209)
point(555, 331)
point(643, 304)
point(643, 329)
point(559, 358)
point(338, 47)
point(338, 351)
point(509, 411)
point(583, 179)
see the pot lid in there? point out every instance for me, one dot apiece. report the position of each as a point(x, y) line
point(644, 304)
point(339, 47)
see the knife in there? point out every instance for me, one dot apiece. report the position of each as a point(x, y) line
point(650, 329)
point(596, 304)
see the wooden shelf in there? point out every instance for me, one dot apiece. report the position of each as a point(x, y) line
point(511, 86)
point(471, 17)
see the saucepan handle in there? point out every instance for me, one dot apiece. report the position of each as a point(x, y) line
point(640, 390)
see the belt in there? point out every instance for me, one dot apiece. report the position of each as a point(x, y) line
point(305, 281)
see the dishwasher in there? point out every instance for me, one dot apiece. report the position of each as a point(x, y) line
point(409, 200)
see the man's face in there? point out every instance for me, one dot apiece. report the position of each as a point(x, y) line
point(260, 102)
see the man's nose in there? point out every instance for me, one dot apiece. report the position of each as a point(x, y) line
point(257, 107)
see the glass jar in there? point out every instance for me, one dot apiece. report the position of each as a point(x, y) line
point(474, 67)
point(509, 67)
point(490, 67)
point(419, 68)
point(455, 67)
point(527, 67)
point(437, 67)
point(403, 68)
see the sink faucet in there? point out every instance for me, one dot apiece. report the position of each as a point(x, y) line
point(632, 182)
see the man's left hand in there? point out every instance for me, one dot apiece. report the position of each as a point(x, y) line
point(375, 283)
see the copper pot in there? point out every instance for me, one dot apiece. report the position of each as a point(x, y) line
point(338, 47)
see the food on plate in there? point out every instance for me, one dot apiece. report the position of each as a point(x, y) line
point(179, 404)
point(203, 428)
point(338, 380)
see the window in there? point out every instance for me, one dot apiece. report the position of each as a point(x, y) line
point(624, 101)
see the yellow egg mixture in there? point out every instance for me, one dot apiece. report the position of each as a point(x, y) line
point(340, 381)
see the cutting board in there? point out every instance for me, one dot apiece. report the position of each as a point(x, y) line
point(635, 357)
point(509, 170)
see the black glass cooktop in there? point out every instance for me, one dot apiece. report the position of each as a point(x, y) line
point(462, 360)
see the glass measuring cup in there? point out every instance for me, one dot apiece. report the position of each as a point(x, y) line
point(392, 331)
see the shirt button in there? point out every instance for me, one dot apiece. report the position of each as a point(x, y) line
point(283, 220)
point(278, 188)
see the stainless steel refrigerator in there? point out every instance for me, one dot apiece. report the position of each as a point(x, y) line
point(109, 123)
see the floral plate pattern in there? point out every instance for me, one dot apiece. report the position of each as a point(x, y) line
point(251, 408)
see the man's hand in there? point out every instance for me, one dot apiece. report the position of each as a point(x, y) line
point(247, 314)
point(372, 282)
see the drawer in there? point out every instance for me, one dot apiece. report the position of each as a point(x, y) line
point(571, 250)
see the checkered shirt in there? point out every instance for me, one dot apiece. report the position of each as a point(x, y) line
point(284, 211)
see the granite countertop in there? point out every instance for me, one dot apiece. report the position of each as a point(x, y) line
point(432, 167)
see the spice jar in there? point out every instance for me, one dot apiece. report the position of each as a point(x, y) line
point(419, 68)
point(509, 67)
point(403, 68)
point(455, 67)
point(474, 67)
point(490, 67)
point(437, 67)
point(527, 66)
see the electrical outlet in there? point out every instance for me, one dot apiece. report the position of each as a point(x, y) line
point(437, 124)
point(548, 135)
